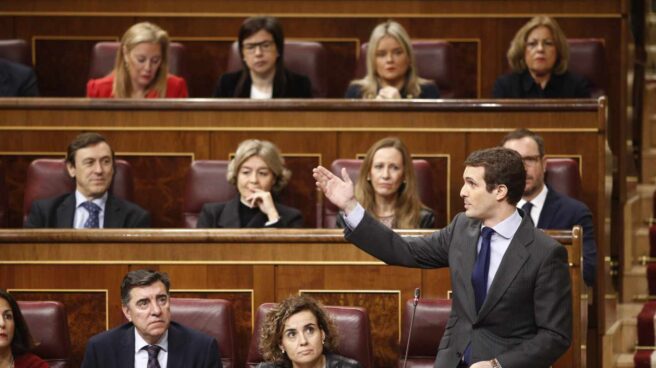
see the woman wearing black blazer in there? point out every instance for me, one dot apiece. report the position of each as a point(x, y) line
point(257, 170)
point(263, 76)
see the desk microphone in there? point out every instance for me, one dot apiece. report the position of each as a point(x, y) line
point(412, 321)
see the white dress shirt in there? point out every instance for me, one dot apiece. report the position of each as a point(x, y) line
point(81, 214)
point(141, 355)
point(538, 205)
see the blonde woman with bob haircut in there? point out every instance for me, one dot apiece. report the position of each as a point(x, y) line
point(391, 70)
point(258, 172)
point(141, 68)
point(538, 57)
point(387, 187)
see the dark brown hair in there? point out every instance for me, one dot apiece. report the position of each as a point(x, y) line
point(503, 166)
point(142, 278)
point(523, 133)
point(82, 141)
point(22, 341)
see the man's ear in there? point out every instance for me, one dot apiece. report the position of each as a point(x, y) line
point(71, 169)
point(502, 192)
point(126, 312)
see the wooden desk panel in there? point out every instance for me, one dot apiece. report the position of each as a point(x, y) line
point(84, 268)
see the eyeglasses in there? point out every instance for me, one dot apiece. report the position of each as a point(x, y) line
point(265, 46)
point(545, 43)
point(531, 160)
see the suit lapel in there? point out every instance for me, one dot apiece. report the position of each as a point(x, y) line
point(4, 81)
point(126, 355)
point(465, 259)
point(230, 215)
point(112, 214)
point(176, 347)
point(513, 261)
point(549, 210)
point(66, 213)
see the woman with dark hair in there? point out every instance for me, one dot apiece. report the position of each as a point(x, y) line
point(261, 47)
point(15, 339)
point(387, 187)
point(299, 333)
point(538, 56)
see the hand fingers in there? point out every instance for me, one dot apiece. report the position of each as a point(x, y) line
point(345, 176)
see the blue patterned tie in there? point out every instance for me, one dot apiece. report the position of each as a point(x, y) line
point(93, 222)
point(527, 208)
point(479, 279)
point(152, 350)
point(481, 268)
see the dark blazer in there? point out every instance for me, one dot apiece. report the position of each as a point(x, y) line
point(428, 90)
point(187, 348)
point(176, 87)
point(526, 319)
point(332, 361)
point(522, 85)
point(59, 212)
point(17, 80)
point(426, 219)
point(226, 215)
point(561, 212)
point(297, 86)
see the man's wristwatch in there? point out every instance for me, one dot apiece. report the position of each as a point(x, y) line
point(495, 363)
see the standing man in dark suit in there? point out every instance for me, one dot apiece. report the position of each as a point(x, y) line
point(512, 304)
point(17, 80)
point(548, 208)
point(150, 339)
point(90, 162)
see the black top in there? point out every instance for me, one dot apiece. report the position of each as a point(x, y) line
point(522, 85)
point(332, 361)
point(17, 80)
point(428, 91)
point(426, 219)
point(229, 215)
point(296, 86)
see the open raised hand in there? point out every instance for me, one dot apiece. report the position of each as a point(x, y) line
point(338, 190)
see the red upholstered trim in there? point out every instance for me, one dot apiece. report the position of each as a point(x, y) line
point(642, 359)
point(646, 324)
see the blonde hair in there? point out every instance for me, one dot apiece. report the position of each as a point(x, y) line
point(370, 83)
point(517, 48)
point(269, 153)
point(407, 213)
point(144, 32)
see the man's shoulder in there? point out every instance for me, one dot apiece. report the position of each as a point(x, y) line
point(188, 333)
point(125, 204)
point(112, 336)
point(562, 200)
point(53, 201)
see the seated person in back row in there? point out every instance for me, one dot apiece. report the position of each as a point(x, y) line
point(257, 170)
point(90, 162)
point(391, 69)
point(538, 56)
point(17, 80)
point(141, 68)
point(264, 76)
point(150, 339)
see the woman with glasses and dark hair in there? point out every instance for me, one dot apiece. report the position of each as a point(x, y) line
point(15, 338)
point(263, 76)
point(538, 56)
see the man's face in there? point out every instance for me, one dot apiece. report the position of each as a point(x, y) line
point(534, 164)
point(479, 203)
point(149, 310)
point(93, 170)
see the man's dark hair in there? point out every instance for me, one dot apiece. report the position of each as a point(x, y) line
point(503, 166)
point(82, 141)
point(142, 278)
point(523, 133)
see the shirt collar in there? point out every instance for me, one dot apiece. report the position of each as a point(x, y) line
point(538, 201)
point(509, 226)
point(140, 343)
point(80, 198)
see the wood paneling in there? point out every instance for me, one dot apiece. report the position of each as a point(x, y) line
point(228, 264)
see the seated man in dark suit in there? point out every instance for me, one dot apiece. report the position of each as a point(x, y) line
point(150, 339)
point(90, 162)
point(17, 80)
point(548, 208)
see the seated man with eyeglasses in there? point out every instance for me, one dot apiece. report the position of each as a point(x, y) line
point(264, 76)
point(150, 339)
point(548, 208)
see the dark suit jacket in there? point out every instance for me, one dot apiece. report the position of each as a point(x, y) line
point(176, 87)
point(561, 212)
point(526, 319)
point(59, 212)
point(226, 215)
point(522, 85)
point(187, 348)
point(428, 90)
point(17, 80)
point(297, 86)
point(332, 361)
